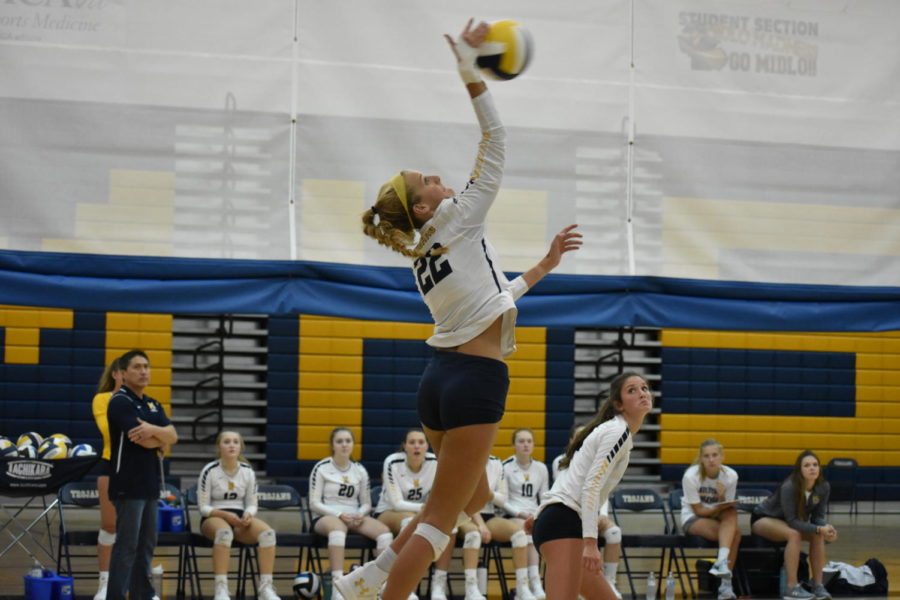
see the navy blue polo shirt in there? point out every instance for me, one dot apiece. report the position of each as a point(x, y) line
point(135, 471)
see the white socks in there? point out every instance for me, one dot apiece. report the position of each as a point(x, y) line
point(533, 571)
point(723, 554)
point(385, 560)
point(609, 570)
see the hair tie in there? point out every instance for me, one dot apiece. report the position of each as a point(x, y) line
point(374, 210)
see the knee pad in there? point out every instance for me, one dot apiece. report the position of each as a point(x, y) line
point(405, 522)
point(613, 534)
point(518, 539)
point(266, 539)
point(472, 540)
point(383, 541)
point(224, 537)
point(105, 538)
point(437, 538)
point(337, 538)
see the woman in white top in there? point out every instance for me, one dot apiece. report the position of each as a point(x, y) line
point(708, 509)
point(527, 480)
point(612, 533)
point(226, 497)
point(462, 393)
point(565, 531)
point(340, 500)
point(406, 481)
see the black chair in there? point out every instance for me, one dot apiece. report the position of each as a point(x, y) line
point(841, 474)
point(287, 498)
point(79, 495)
point(697, 542)
point(665, 543)
point(247, 568)
point(179, 545)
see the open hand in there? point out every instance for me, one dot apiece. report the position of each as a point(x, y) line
point(472, 37)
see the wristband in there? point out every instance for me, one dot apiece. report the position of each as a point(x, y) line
point(468, 70)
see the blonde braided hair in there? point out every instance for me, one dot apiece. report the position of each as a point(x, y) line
point(394, 227)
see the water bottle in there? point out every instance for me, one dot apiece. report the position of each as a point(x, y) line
point(651, 586)
point(157, 572)
point(670, 587)
point(37, 571)
point(481, 576)
point(782, 581)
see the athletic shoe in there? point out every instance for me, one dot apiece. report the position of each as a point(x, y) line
point(101, 593)
point(221, 592)
point(267, 592)
point(413, 596)
point(537, 590)
point(472, 593)
point(523, 590)
point(439, 588)
point(720, 569)
point(820, 592)
point(726, 592)
point(799, 593)
point(612, 584)
point(362, 583)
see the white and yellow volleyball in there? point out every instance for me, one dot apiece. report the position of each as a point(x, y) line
point(53, 448)
point(506, 51)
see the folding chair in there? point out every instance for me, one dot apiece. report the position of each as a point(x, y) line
point(246, 565)
point(180, 542)
point(649, 502)
point(841, 475)
point(81, 495)
point(697, 542)
point(285, 497)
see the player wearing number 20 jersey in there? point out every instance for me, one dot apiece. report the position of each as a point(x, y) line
point(335, 491)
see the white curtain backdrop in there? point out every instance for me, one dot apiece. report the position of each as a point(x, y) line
point(720, 139)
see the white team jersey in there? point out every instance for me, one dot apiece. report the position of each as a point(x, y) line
point(218, 489)
point(604, 510)
point(706, 492)
point(334, 491)
point(526, 485)
point(465, 289)
point(401, 488)
point(497, 484)
point(595, 469)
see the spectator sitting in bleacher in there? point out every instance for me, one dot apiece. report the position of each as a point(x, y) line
point(340, 500)
point(226, 497)
point(796, 512)
point(708, 509)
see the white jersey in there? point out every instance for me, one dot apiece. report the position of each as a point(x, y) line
point(526, 485)
point(706, 492)
point(604, 509)
point(217, 489)
point(596, 468)
point(403, 489)
point(465, 289)
point(334, 491)
point(496, 484)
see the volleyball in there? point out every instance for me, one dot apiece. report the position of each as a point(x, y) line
point(27, 451)
point(506, 51)
point(7, 448)
point(62, 437)
point(53, 448)
point(83, 450)
point(29, 439)
point(306, 585)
